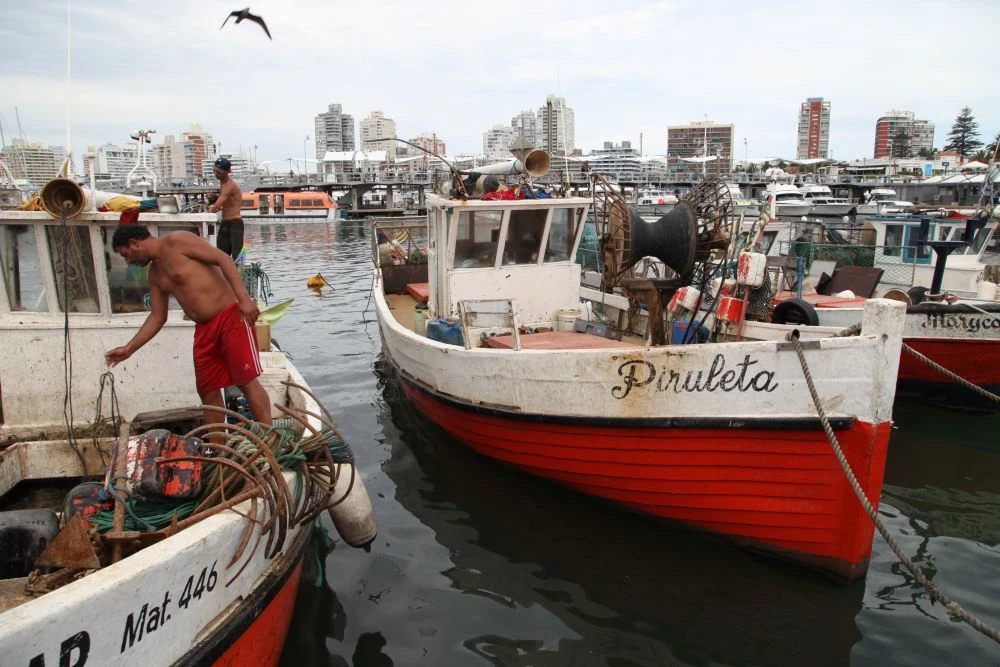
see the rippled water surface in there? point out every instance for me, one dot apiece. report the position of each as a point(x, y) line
point(476, 564)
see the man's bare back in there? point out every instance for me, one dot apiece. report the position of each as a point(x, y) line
point(201, 289)
point(229, 201)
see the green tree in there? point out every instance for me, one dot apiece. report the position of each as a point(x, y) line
point(927, 153)
point(901, 145)
point(964, 135)
point(991, 147)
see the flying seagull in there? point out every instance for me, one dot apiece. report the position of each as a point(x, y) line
point(245, 14)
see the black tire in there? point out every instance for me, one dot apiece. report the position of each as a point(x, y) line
point(795, 311)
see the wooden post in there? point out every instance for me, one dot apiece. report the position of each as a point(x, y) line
point(121, 464)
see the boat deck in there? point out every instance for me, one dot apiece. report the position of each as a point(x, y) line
point(402, 308)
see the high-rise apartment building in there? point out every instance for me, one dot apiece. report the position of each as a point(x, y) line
point(202, 148)
point(429, 141)
point(111, 161)
point(526, 124)
point(168, 160)
point(375, 127)
point(334, 131)
point(497, 141)
point(919, 133)
point(703, 139)
point(556, 130)
point(814, 129)
point(32, 161)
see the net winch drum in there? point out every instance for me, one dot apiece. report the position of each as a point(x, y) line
point(62, 197)
point(673, 239)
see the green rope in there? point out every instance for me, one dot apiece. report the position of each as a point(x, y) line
point(146, 515)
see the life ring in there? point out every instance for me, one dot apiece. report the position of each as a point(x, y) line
point(795, 311)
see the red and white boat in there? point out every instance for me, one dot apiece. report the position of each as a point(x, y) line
point(179, 600)
point(720, 437)
point(960, 330)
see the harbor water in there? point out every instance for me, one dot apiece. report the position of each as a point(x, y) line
point(477, 564)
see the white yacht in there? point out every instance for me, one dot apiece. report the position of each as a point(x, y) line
point(789, 201)
point(742, 205)
point(823, 201)
point(883, 201)
point(650, 201)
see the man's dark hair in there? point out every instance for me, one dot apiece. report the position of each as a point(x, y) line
point(125, 233)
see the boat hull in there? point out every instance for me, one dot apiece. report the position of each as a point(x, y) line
point(975, 360)
point(793, 209)
point(832, 209)
point(771, 484)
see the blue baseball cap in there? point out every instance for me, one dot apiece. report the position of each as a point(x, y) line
point(224, 164)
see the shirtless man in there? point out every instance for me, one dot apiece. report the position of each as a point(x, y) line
point(230, 237)
point(208, 286)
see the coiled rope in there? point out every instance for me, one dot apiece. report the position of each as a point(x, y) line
point(954, 609)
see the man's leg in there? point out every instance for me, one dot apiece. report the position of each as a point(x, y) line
point(235, 238)
point(214, 398)
point(222, 239)
point(259, 401)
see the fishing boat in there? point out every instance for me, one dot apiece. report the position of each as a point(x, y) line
point(214, 581)
point(790, 201)
point(653, 201)
point(263, 205)
point(936, 264)
point(487, 336)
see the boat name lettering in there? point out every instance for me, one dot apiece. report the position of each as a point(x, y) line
point(80, 643)
point(970, 323)
point(151, 619)
point(641, 374)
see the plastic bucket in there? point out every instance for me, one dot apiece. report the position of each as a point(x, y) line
point(566, 318)
point(987, 290)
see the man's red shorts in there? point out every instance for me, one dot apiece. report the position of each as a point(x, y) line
point(225, 351)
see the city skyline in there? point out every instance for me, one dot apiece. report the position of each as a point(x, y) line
point(756, 88)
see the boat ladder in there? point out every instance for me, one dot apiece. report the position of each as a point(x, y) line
point(488, 317)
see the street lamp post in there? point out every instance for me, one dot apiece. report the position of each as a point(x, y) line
point(305, 166)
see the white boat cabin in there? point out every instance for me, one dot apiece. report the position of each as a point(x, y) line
point(49, 267)
point(491, 250)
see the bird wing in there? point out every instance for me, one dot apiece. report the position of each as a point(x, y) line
point(257, 19)
point(231, 15)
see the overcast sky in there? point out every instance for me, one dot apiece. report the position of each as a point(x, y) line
point(457, 68)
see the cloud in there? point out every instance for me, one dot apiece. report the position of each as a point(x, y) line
point(456, 68)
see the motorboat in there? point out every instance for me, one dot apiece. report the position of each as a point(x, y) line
point(882, 201)
point(789, 200)
point(823, 201)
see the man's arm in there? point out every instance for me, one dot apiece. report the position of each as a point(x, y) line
point(228, 190)
point(201, 250)
point(154, 322)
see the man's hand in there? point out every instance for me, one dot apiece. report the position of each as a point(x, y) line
point(113, 357)
point(249, 310)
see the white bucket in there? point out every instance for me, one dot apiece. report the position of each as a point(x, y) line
point(987, 290)
point(566, 318)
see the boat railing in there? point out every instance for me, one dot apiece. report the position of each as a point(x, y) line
point(898, 263)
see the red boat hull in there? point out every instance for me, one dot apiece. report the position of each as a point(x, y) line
point(976, 360)
point(772, 485)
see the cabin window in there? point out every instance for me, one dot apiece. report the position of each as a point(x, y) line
point(317, 202)
point(524, 236)
point(294, 202)
point(893, 241)
point(73, 268)
point(247, 203)
point(477, 239)
point(22, 270)
point(979, 241)
point(127, 284)
point(913, 253)
point(562, 234)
